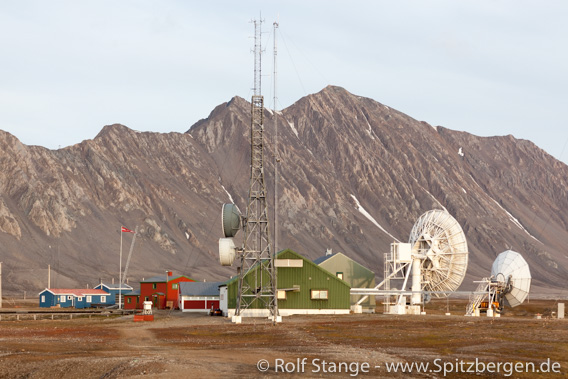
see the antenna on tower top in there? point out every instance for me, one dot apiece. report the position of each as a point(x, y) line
point(257, 90)
point(276, 155)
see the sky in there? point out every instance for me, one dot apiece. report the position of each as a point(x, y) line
point(69, 67)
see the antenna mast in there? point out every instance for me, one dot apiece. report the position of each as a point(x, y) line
point(276, 155)
point(257, 275)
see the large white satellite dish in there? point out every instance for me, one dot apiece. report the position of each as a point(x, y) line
point(438, 240)
point(511, 268)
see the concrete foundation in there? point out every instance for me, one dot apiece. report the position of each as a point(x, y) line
point(236, 319)
point(357, 309)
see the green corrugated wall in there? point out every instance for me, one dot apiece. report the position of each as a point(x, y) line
point(308, 277)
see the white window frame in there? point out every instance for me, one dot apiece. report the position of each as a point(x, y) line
point(43, 298)
point(319, 294)
point(69, 297)
point(89, 299)
point(79, 298)
point(103, 299)
point(62, 298)
point(340, 275)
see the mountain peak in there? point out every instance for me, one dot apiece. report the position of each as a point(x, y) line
point(113, 130)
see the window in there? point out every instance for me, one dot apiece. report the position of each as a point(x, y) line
point(103, 299)
point(154, 286)
point(62, 298)
point(175, 286)
point(70, 297)
point(281, 295)
point(79, 298)
point(129, 300)
point(319, 294)
point(43, 298)
point(339, 275)
point(89, 299)
point(146, 298)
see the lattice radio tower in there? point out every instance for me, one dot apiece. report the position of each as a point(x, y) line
point(257, 275)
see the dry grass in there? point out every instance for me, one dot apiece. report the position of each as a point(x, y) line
point(197, 346)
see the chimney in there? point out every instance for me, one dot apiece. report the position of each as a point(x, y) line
point(328, 252)
point(170, 273)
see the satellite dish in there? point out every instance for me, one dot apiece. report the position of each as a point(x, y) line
point(227, 251)
point(231, 220)
point(511, 267)
point(438, 240)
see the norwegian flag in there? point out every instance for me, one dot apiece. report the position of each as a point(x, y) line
point(125, 230)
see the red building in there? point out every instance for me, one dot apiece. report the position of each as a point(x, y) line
point(162, 291)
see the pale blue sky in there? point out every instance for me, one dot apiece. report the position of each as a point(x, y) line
point(70, 67)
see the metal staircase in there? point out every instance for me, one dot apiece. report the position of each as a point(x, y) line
point(477, 297)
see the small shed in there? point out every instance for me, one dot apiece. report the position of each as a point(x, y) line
point(199, 296)
point(132, 300)
point(74, 298)
point(357, 275)
point(302, 288)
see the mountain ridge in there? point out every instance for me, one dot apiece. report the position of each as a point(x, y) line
point(340, 155)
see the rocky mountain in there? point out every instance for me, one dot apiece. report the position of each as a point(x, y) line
point(354, 175)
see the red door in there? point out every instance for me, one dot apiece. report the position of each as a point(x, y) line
point(194, 304)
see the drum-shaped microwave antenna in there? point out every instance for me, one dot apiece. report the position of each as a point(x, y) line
point(227, 251)
point(231, 220)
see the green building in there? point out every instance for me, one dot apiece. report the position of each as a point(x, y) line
point(303, 288)
point(353, 273)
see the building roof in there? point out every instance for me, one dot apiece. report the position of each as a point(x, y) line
point(114, 286)
point(200, 288)
point(76, 291)
point(325, 258)
point(297, 255)
point(132, 293)
point(162, 279)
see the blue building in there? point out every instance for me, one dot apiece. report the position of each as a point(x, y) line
point(75, 298)
point(115, 289)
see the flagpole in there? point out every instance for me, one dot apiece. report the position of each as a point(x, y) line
point(120, 274)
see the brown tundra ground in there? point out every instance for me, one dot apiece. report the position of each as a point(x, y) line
point(195, 346)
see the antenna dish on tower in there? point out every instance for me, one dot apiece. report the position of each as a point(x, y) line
point(231, 220)
point(227, 251)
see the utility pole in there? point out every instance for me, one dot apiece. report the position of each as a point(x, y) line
point(48, 276)
point(120, 272)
